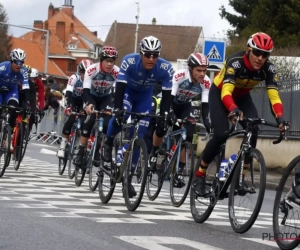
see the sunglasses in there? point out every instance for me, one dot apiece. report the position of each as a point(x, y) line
point(150, 54)
point(259, 53)
point(17, 62)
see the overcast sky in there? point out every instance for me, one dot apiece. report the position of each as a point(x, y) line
point(100, 14)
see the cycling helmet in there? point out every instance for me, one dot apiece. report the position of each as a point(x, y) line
point(34, 72)
point(108, 52)
point(261, 41)
point(197, 59)
point(82, 66)
point(17, 54)
point(151, 44)
point(28, 68)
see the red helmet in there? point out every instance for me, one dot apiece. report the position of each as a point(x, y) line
point(261, 41)
point(82, 66)
point(197, 59)
point(108, 52)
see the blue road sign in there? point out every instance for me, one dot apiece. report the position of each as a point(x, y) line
point(214, 50)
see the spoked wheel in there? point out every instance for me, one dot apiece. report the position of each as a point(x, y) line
point(79, 175)
point(181, 179)
point(73, 150)
point(106, 181)
point(17, 152)
point(286, 210)
point(5, 153)
point(26, 135)
point(62, 162)
point(155, 180)
point(135, 175)
point(94, 166)
point(245, 201)
point(202, 207)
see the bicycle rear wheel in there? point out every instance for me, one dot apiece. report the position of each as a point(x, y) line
point(62, 162)
point(26, 135)
point(5, 152)
point(80, 172)
point(73, 151)
point(286, 224)
point(17, 151)
point(106, 182)
point(202, 207)
point(137, 173)
point(253, 187)
point(93, 170)
point(180, 190)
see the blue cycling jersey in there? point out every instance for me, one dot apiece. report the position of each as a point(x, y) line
point(10, 79)
point(139, 79)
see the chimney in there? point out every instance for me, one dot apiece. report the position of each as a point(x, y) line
point(61, 31)
point(95, 33)
point(68, 8)
point(50, 10)
point(154, 21)
point(39, 25)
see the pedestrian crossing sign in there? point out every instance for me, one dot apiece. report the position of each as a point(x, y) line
point(214, 50)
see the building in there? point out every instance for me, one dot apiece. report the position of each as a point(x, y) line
point(178, 42)
point(70, 41)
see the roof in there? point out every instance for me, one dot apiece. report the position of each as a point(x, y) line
point(177, 41)
point(36, 57)
point(81, 35)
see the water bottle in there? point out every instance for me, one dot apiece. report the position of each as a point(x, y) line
point(231, 160)
point(223, 172)
point(120, 153)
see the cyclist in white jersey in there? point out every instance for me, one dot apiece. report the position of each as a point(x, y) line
point(74, 103)
point(97, 93)
point(187, 84)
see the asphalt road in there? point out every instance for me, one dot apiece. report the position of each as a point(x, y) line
point(39, 209)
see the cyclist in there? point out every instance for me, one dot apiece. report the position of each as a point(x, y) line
point(134, 89)
point(36, 89)
point(11, 73)
point(229, 97)
point(74, 102)
point(187, 84)
point(98, 81)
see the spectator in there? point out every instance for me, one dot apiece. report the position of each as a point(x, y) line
point(52, 83)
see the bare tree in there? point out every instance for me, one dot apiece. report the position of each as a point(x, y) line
point(5, 39)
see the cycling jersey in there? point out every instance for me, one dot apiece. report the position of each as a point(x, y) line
point(75, 85)
point(237, 78)
point(139, 79)
point(184, 90)
point(99, 83)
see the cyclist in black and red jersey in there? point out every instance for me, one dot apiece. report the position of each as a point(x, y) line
point(229, 97)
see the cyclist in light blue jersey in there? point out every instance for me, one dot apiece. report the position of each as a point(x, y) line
point(134, 90)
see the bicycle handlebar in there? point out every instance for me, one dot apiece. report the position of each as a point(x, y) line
point(251, 122)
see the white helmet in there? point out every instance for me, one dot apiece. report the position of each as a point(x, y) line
point(151, 44)
point(34, 72)
point(17, 54)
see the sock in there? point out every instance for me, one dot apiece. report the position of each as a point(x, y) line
point(201, 172)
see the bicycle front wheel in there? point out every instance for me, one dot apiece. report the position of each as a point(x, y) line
point(26, 135)
point(5, 152)
point(245, 200)
point(286, 224)
point(135, 175)
point(18, 147)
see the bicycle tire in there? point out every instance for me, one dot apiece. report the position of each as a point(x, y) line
point(62, 163)
point(160, 176)
point(79, 179)
point(18, 149)
point(291, 244)
point(93, 185)
point(25, 139)
point(132, 206)
point(105, 198)
point(71, 173)
point(200, 218)
point(242, 228)
point(5, 139)
point(175, 202)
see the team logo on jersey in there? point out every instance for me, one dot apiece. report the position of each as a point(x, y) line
point(131, 60)
point(164, 66)
point(236, 65)
point(230, 71)
point(272, 69)
point(275, 78)
point(2, 68)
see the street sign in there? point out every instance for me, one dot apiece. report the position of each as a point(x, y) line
point(214, 50)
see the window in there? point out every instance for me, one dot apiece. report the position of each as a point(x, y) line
point(70, 66)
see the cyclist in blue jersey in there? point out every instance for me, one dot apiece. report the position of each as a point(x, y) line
point(134, 89)
point(11, 73)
